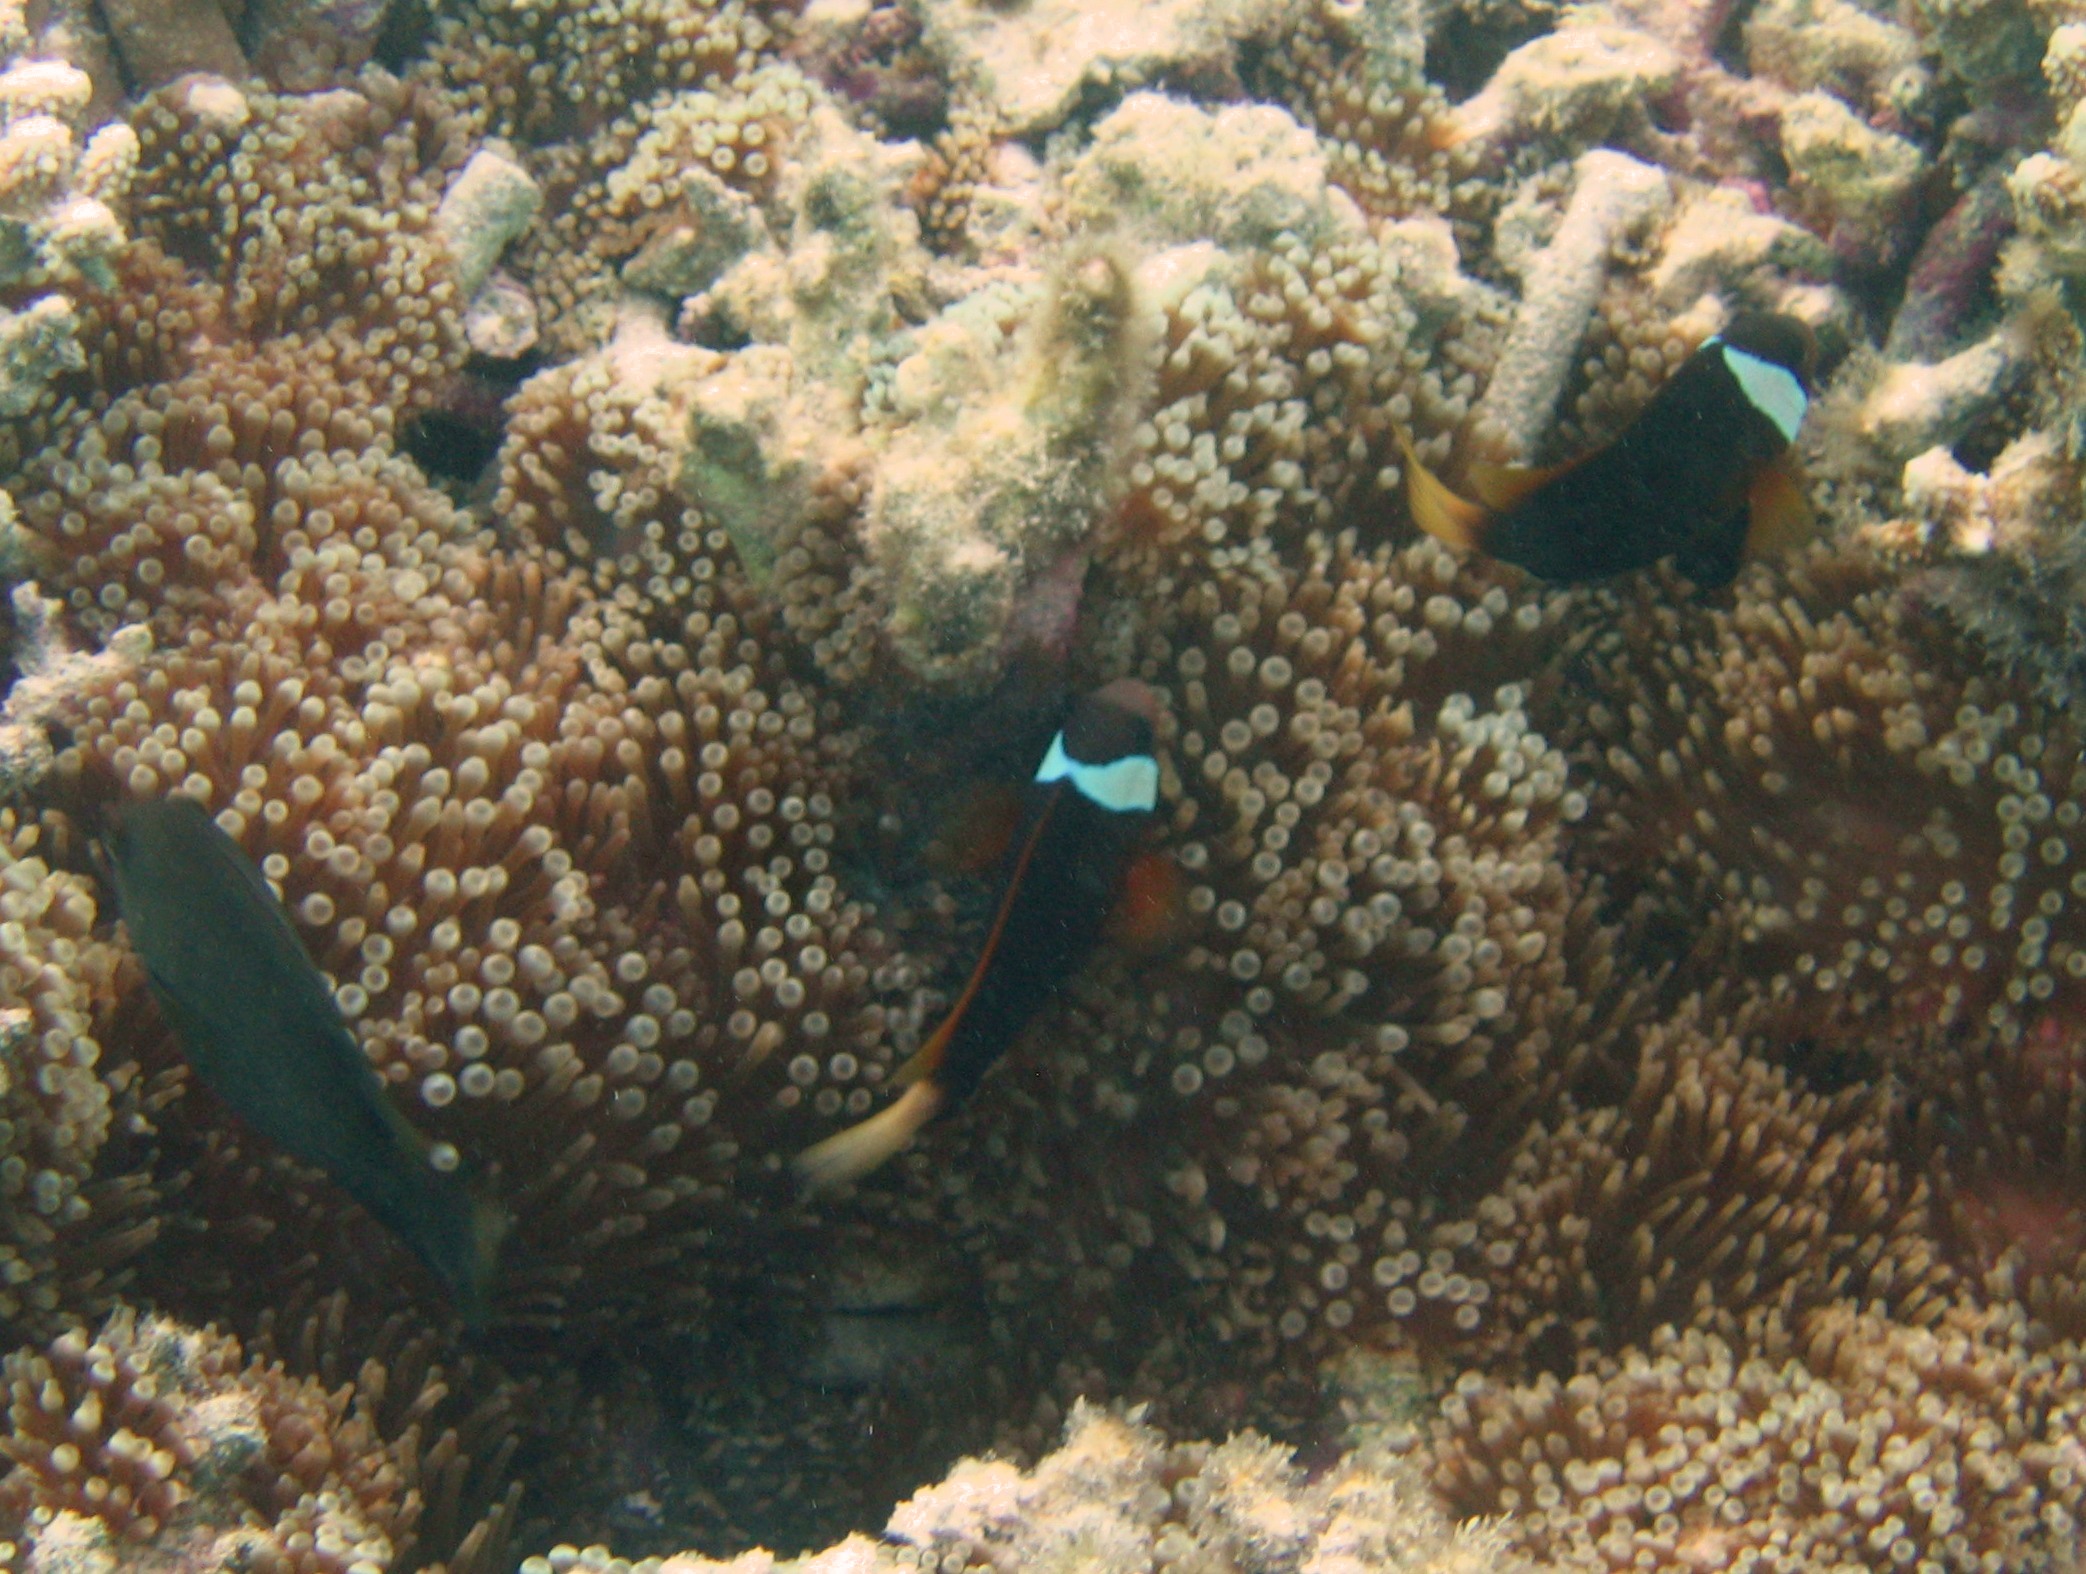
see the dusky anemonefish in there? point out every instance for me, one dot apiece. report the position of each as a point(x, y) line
point(1705, 474)
point(1083, 825)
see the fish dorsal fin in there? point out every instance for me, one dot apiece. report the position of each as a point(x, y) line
point(1779, 508)
point(1501, 487)
point(1454, 521)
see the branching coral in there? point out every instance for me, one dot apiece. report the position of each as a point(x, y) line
point(61, 194)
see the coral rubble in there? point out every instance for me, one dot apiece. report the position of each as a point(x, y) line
point(592, 496)
point(1115, 1495)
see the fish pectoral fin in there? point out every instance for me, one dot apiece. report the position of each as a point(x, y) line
point(1501, 487)
point(851, 1154)
point(1454, 521)
point(1779, 509)
point(1148, 904)
point(978, 829)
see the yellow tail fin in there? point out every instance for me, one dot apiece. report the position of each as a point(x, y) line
point(1452, 520)
point(851, 1154)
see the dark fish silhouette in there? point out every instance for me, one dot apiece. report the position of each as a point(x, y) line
point(1704, 475)
point(1088, 808)
point(257, 1021)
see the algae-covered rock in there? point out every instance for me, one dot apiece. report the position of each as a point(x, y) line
point(1862, 179)
point(1239, 176)
point(715, 226)
point(760, 442)
point(965, 509)
point(1033, 62)
point(1578, 82)
point(490, 202)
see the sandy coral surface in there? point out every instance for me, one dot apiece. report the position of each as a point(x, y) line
point(602, 498)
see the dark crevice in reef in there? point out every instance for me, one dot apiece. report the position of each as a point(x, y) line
point(1728, 43)
point(1463, 55)
point(1828, 1068)
point(403, 39)
point(450, 447)
point(10, 646)
point(457, 440)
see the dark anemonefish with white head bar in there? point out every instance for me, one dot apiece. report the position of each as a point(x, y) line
point(1084, 823)
point(1705, 475)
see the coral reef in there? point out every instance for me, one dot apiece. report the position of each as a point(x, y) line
point(591, 496)
point(1116, 1495)
point(61, 192)
point(157, 1446)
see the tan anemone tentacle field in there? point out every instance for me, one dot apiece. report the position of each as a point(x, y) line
point(600, 498)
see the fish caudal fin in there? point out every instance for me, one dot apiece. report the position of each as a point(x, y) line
point(851, 1154)
point(1454, 521)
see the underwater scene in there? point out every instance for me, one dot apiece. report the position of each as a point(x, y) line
point(1042, 786)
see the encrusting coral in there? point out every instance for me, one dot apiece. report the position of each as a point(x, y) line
point(583, 499)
